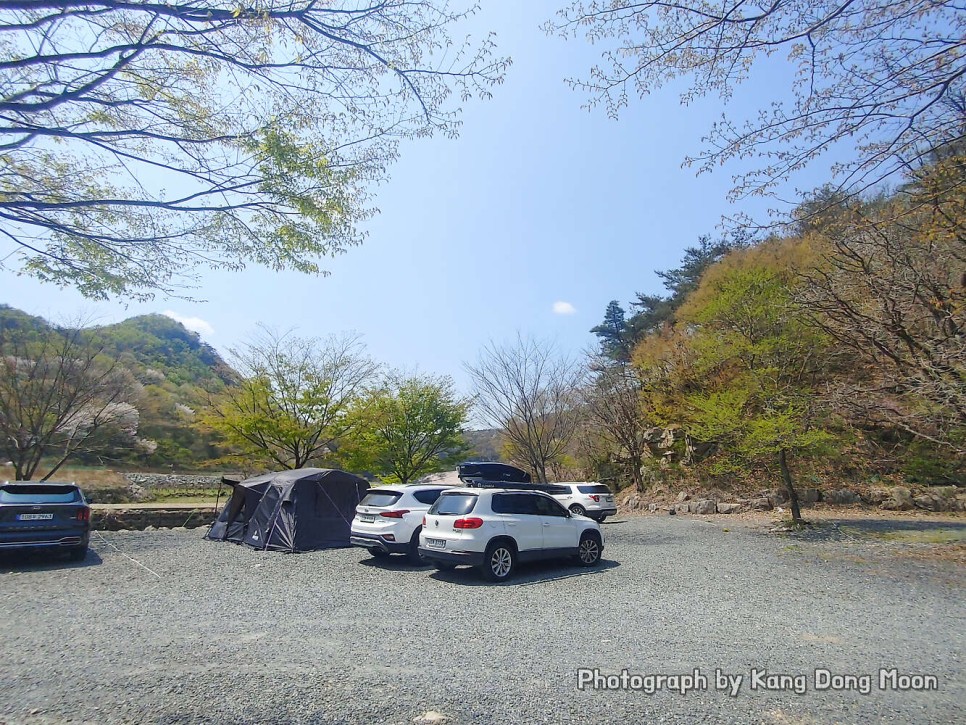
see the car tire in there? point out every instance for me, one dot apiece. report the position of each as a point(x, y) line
point(413, 554)
point(578, 510)
point(499, 561)
point(378, 553)
point(78, 553)
point(589, 549)
point(601, 519)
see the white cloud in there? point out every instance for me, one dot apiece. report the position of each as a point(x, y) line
point(563, 308)
point(195, 324)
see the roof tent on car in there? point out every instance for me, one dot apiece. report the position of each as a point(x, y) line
point(475, 473)
point(299, 510)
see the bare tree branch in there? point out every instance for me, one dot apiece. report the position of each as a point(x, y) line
point(883, 75)
point(612, 400)
point(532, 393)
point(892, 291)
point(60, 393)
point(141, 139)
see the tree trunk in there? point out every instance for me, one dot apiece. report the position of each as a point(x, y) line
point(636, 477)
point(789, 486)
point(541, 471)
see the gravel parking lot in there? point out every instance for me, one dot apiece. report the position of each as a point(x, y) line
point(200, 632)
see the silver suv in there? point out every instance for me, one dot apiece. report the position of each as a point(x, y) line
point(493, 529)
point(586, 498)
point(389, 518)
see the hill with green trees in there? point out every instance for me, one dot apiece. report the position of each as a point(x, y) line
point(178, 371)
point(834, 349)
point(160, 344)
point(175, 371)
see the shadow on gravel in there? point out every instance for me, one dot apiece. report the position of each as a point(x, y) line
point(526, 574)
point(44, 561)
point(885, 526)
point(883, 530)
point(393, 563)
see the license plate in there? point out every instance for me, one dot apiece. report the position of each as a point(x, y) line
point(35, 517)
point(436, 543)
point(367, 518)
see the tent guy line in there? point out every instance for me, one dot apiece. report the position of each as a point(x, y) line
point(152, 571)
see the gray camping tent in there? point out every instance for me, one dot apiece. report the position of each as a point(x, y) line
point(300, 510)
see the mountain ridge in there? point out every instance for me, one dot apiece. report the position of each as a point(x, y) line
point(175, 368)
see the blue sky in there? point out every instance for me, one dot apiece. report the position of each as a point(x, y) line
point(538, 202)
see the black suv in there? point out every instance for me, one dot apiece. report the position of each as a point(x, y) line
point(52, 516)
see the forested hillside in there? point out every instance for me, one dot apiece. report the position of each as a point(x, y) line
point(178, 371)
point(833, 348)
point(161, 344)
point(173, 371)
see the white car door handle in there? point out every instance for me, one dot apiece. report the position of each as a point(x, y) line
point(546, 523)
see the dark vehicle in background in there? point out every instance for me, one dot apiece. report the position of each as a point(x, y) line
point(475, 472)
point(44, 516)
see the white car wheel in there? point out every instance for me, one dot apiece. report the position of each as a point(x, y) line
point(588, 552)
point(499, 561)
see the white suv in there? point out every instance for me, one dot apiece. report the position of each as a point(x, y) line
point(587, 498)
point(389, 518)
point(493, 529)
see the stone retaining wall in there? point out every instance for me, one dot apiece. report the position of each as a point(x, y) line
point(895, 498)
point(173, 480)
point(144, 518)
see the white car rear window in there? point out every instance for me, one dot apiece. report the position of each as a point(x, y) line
point(594, 488)
point(381, 499)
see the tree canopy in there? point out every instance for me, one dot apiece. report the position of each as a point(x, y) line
point(887, 75)
point(142, 140)
point(844, 336)
point(412, 425)
point(293, 400)
point(618, 334)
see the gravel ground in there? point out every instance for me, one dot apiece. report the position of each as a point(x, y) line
point(202, 632)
